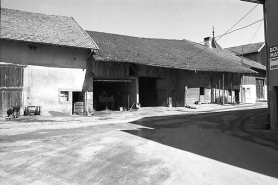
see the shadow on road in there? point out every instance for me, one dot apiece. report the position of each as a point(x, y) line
point(235, 137)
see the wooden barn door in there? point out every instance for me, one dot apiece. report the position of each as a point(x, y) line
point(260, 88)
point(11, 86)
point(161, 92)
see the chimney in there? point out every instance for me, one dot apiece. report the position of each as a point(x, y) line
point(207, 42)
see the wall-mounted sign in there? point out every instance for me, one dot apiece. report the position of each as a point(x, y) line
point(273, 57)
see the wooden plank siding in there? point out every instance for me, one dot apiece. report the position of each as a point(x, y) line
point(110, 69)
point(171, 83)
point(11, 87)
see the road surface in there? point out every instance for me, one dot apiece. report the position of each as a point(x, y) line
point(200, 148)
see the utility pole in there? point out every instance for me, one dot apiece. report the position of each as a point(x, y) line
point(267, 63)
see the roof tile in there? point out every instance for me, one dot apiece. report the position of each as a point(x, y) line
point(43, 29)
point(166, 53)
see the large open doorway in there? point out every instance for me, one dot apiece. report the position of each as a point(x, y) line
point(110, 95)
point(147, 91)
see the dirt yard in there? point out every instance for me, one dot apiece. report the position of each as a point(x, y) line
point(209, 145)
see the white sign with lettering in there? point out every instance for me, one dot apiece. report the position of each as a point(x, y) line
point(273, 57)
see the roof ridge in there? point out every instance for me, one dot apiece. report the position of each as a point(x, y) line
point(141, 37)
point(246, 44)
point(36, 12)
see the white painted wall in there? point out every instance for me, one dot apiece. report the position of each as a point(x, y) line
point(42, 86)
point(248, 93)
point(49, 69)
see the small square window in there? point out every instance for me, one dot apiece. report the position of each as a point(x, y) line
point(202, 91)
point(64, 96)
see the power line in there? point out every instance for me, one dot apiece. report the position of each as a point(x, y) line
point(222, 36)
point(230, 32)
point(239, 20)
point(256, 32)
point(239, 28)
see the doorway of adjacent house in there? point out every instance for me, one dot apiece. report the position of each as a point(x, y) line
point(243, 95)
point(77, 102)
point(237, 95)
point(147, 91)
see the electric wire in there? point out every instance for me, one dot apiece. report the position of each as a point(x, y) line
point(256, 32)
point(239, 20)
point(224, 35)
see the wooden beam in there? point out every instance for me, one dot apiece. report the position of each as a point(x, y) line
point(232, 88)
point(223, 93)
point(185, 93)
point(219, 87)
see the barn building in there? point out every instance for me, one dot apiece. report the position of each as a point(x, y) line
point(163, 72)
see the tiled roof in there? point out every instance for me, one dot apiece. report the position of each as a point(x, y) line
point(248, 48)
point(165, 53)
point(44, 29)
point(253, 64)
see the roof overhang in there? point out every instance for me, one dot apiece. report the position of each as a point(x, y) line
point(255, 1)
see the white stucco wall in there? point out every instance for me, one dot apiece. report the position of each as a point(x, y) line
point(42, 86)
point(49, 70)
point(248, 93)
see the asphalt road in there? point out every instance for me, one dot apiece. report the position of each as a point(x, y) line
point(208, 148)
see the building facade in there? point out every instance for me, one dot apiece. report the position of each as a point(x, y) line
point(43, 62)
point(253, 86)
point(160, 72)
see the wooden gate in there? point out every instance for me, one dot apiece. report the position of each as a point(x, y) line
point(11, 87)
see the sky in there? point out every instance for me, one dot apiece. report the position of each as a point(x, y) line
point(169, 19)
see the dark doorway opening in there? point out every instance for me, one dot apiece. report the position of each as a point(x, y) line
point(77, 96)
point(237, 95)
point(110, 95)
point(147, 91)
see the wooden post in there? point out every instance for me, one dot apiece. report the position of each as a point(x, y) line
point(219, 90)
point(185, 92)
point(231, 88)
point(86, 102)
point(223, 94)
point(211, 90)
point(215, 93)
point(127, 98)
point(199, 87)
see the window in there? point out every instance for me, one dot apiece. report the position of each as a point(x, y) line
point(64, 96)
point(202, 91)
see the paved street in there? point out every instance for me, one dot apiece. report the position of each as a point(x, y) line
point(200, 148)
